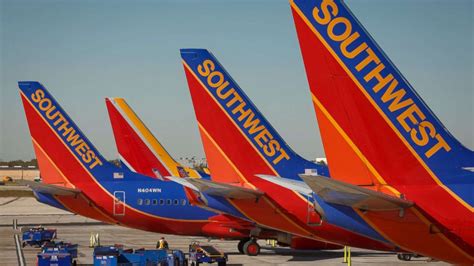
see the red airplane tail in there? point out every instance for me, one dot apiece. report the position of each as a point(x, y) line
point(60, 147)
point(65, 156)
point(239, 142)
point(376, 130)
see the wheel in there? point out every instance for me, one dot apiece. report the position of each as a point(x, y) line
point(241, 244)
point(400, 256)
point(407, 257)
point(251, 248)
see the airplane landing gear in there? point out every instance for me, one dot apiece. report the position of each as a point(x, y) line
point(404, 256)
point(241, 244)
point(251, 248)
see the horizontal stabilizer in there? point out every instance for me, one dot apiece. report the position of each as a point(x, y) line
point(49, 188)
point(217, 189)
point(183, 181)
point(337, 192)
point(291, 184)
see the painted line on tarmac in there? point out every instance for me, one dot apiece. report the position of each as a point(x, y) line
point(19, 251)
point(10, 201)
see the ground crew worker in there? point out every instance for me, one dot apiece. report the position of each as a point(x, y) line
point(162, 244)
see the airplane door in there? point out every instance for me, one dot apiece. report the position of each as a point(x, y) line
point(119, 203)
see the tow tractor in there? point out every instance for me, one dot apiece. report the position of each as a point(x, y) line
point(205, 254)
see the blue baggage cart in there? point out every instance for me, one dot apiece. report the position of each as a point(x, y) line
point(153, 256)
point(66, 247)
point(177, 258)
point(54, 257)
point(206, 254)
point(113, 256)
point(37, 236)
point(106, 256)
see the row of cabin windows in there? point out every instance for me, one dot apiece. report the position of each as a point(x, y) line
point(161, 202)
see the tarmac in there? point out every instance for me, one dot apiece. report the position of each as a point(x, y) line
point(77, 229)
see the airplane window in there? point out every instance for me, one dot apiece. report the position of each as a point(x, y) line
point(162, 202)
point(147, 202)
point(168, 202)
point(183, 202)
point(155, 202)
point(140, 202)
point(176, 202)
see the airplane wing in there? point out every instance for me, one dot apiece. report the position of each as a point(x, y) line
point(337, 192)
point(49, 188)
point(216, 188)
point(295, 185)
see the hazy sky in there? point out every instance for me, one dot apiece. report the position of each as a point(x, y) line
point(83, 51)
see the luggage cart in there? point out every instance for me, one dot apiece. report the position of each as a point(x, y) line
point(177, 258)
point(55, 256)
point(206, 254)
point(67, 247)
point(116, 256)
point(37, 236)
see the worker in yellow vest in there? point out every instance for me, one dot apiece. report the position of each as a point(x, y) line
point(162, 244)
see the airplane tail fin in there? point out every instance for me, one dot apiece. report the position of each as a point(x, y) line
point(139, 149)
point(65, 156)
point(373, 124)
point(236, 136)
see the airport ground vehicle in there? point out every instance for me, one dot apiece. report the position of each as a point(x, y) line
point(37, 236)
point(57, 253)
point(177, 258)
point(55, 256)
point(5, 180)
point(113, 255)
point(199, 253)
point(380, 136)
